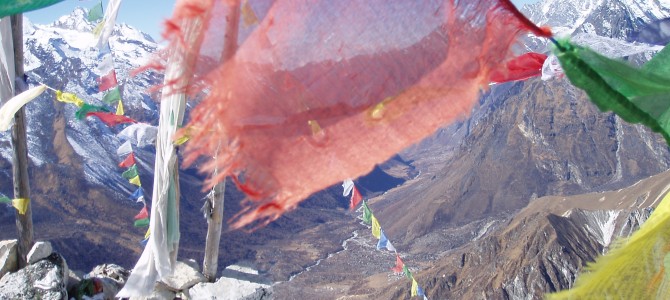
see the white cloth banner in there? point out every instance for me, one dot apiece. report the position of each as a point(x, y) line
point(6, 61)
point(108, 23)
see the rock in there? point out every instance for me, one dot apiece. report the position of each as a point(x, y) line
point(161, 292)
point(41, 280)
point(39, 251)
point(115, 272)
point(183, 277)
point(8, 257)
point(73, 279)
point(238, 283)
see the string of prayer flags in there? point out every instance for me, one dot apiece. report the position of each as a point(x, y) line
point(21, 205)
point(376, 228)
point(636, 95)
point(13, 105)
point(356, 198)
point(384, 242)
point(12, 7)
point(95, 13)
point(86, 109)
point(128, 161)
point(111, 119)
point(69, 98)
point(270, 96)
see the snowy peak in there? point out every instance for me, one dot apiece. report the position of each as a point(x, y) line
point(611, 18)
point(77, 20)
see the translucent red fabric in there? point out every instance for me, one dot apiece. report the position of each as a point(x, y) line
point(322, 90)
point(521, 68)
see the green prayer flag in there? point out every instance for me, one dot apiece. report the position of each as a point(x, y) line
point(12, 7)
point(112, 96)
point(405, 269)
point(367, 213)
point(87, 108)
point(95, 13)
point(4, 199)
point(130, 173)
point(636, 95)
point(142, 222)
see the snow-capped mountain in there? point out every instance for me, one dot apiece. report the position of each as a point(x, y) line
point(62, 56)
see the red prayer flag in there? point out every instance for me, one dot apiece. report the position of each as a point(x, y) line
point(143, 214)
point(311, 74)
point(108, 81)
point(129, 161)
point(398, 264)
point(356, 199)
point(111, 119)
point(520, 68)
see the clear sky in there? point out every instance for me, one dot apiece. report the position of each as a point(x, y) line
point(146, 15)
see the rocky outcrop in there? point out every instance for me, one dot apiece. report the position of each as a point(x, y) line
point(44, 279)
point(8, 257)
point(237, 282)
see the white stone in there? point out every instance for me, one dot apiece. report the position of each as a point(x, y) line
point(183, 277)
point(8, 257)
point(238, 283)
point(40, 250)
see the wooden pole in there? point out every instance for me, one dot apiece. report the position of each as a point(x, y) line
point(216, 197)
point(24, 222)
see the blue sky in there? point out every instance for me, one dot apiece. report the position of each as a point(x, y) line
point(146, 15)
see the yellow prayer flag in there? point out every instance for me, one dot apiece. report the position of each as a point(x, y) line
point(69, 98)
point(376, 228)
point(415, 288)
point(136, 180)
point(146, 235)
point(98, 29)
point(21, 204)
point(248, 15)
point(119, 109)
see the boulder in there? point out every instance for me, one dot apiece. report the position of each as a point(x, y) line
point(8, 257)
point(238, 282)
point(39, 251)
point(160, 292)
point(41, 280)
point(183, 277)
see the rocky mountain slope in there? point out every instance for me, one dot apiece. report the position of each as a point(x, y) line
point(544, 247)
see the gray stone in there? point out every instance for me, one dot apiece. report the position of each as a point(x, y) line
point(115, 272)
point(160, 292)
point(73, 279)
point(238, 282)
point(8, 257)
point(183, 277)
point(41, 280)
point(39, 251)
